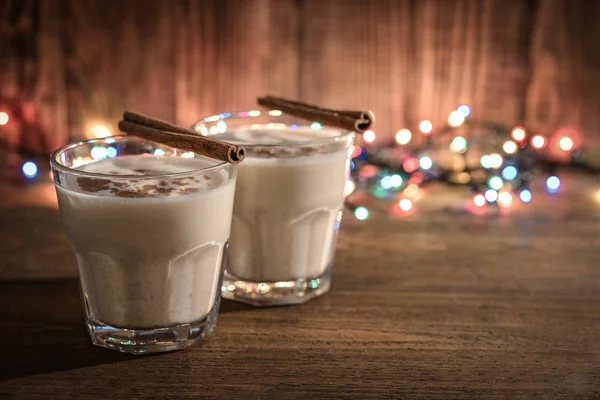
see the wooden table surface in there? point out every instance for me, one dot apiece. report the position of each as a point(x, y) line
point(443, 304)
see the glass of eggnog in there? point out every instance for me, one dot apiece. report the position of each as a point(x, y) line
point(288, 205)
point(149, 226)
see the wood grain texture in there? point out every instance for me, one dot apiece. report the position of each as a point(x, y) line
point(230, 52)
point(120, 56)
point(440, 305)
point(72, 63)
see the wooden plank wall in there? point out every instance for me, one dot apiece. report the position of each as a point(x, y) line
point(66, 64)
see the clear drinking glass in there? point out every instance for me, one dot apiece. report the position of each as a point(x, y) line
point(288, 205)
point(149, 226)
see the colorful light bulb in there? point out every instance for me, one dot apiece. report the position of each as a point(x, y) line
point(396, 180)
point(538, 142)
point(386, 182)
point(479, 200)
point(505, 199)
point(369, 136)
point(426, 127)
point(566, 143)
point(510, 147)
point(495, 160)
point(405, 205)
point(425, 163)
point(553, 183)
point(495, 182)
point(459, 144)
point(525, 196)
point(403, 136)
point(29, 169)
point(509, 173)
point(456, 119)
point(361, 213)
point(3, 118)
point(464, 109)
point(518, 133)
point(491, 195)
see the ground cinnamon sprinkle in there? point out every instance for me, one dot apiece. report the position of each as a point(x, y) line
point(180, 182)
point(131, 194)
point(93, 185)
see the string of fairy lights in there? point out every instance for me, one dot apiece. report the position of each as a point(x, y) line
point(495, 162)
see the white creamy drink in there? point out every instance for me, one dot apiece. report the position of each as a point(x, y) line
point(149, 250)
point(288, 205)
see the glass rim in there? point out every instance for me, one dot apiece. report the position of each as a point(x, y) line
point(243, 115)
point(54, 163)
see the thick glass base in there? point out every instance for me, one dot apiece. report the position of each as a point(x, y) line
point(263, 294)
point(145, 341)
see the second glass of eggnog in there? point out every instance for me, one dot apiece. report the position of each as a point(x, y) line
point(288, 205)
point(149, 226)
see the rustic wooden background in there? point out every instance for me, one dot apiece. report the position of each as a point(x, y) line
point(67, 64)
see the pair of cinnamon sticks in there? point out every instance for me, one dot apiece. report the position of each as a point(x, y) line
point(186, 139)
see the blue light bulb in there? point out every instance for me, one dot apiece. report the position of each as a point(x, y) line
point(465, 110)
point(525, 196)
point(386, 182)
point(509, 173)
point(29, 169)
point(552, 183)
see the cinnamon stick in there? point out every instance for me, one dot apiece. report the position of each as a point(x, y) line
point(181, 138)
point(358, 121)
